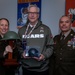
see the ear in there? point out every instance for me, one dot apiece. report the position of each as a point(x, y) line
point(38, 15)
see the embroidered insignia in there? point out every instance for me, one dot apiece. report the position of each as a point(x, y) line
point(71, 34)
point(41, 29)
point(51, 36)
point(69, 43)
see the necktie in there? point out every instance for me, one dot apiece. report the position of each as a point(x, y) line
point(62, 37)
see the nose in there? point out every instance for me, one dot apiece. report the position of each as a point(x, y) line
point(64, 23)
point(4, 27)
point(32, 14)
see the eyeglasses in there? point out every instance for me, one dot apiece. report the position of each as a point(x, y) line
point(33, 13)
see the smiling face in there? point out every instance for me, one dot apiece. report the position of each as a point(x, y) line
point(4, 26)
point(33, 15)
point(65, 24)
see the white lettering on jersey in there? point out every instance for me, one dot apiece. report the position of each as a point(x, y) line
point(34, 36)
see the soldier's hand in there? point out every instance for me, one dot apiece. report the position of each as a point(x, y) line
point(7, 49)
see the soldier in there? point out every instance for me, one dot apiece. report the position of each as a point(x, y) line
point(5, 48)
point(4, 27)
point(64, 48)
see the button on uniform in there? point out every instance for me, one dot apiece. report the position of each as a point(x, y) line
point(61, 49)
point(60, 53)
point(60, 58)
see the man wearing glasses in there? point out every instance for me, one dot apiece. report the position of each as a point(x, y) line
point(37, 44)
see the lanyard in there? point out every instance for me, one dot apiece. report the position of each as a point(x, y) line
point(30, 31)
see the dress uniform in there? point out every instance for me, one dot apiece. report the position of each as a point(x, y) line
point(64, 53)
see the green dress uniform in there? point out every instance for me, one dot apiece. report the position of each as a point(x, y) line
point(64, 53)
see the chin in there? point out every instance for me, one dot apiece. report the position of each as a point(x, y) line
point(3, 32)
point(65, 30)
point(33, 22)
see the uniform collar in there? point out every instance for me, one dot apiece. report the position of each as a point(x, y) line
point(67, 33)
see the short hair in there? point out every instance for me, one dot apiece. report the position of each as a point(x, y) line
point(5, 19)
point(65, 16)
point(38, 9)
